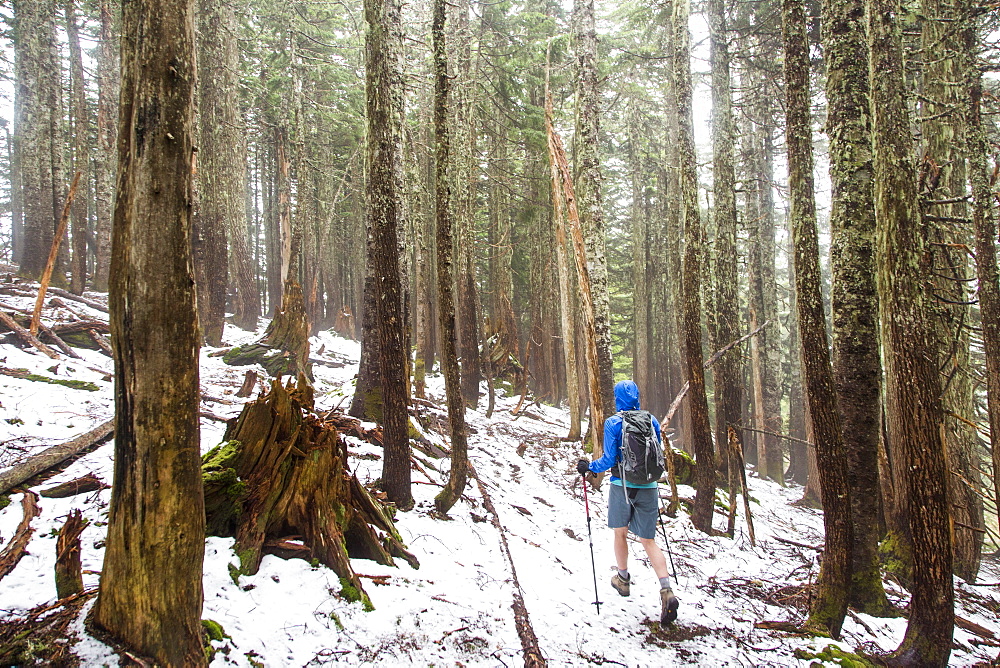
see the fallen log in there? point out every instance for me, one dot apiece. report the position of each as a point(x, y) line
point(26, 336)
point(15, 549)
point(279, 484)
point(69, 571)
point(101, 342)
point(54, 456)
point(58, 341)
point(38, 378)
point(82, 485)
point(97, 306)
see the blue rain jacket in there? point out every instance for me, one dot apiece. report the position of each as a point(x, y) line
point(626, 399)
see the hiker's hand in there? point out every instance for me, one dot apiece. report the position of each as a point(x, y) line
point(583, 467)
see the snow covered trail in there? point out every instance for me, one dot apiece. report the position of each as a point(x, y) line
point(457, 608)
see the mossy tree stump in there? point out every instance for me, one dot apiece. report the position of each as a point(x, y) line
point(280, 485)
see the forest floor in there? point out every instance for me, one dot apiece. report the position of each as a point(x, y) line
point(456, 609)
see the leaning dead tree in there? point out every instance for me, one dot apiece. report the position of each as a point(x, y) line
point(280, 485)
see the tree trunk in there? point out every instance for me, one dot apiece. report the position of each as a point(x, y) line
point(445, 274)
point(701, 428)
point(798, 453)
point(383, 86)
point(222, 169)
point(857, 363)
point(913, 407)
point(728, 383)
point(106, 163)
point(151, 582)
point(940, 110)
point(81, 161)
point(985, 230)
point(830, 605)
point(591, 201)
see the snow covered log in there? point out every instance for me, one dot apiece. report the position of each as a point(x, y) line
point(280, 484)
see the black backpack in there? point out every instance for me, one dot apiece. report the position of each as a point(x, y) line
point(641, 457)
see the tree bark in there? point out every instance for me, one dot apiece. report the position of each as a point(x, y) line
point(591, 201)
point(857, 364)
point(458, 475)
point(151, 582)
point(383, 85)
point(81, 161)
point(830, 606)
point(69, 571)
point(106, 164)
point(913, 407)
point(701, 428)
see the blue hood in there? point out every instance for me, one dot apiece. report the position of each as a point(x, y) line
point(626, 396)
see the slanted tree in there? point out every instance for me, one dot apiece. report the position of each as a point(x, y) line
point(151, 582)
point(830, 606)
point(383, 88)
point(445, 272)
point(914, 417)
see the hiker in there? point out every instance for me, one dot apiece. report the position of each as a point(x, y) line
point(632, 506)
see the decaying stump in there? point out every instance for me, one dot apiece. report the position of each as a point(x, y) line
point(284, 349)
point(280, 484)
point(69, 573)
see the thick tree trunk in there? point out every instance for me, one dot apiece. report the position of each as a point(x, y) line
point(151, 582)
point(857, 363)
point(913, 406)
point(701, 428)
point(798, 454)
point(830, 605)
point(383, 86)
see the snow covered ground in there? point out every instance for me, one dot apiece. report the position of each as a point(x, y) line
point(456, 609)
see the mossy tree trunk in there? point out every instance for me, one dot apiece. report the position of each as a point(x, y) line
point(913, 392)
point(280, 485)
point(857, 364)
point(830, 606)
point(151, 582)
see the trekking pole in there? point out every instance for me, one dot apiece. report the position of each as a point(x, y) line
point(666, 541)
point(590, 537)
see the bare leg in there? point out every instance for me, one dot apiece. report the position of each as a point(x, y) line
point(654, 553)
point(621, 548)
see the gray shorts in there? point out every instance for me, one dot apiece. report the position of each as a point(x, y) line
point(639, 511)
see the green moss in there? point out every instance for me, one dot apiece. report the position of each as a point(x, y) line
point(79, 340)
point(224, 491)
point(336, 621)
point(4, 501)
point(894, 554)
point(352, 594)
point(213, 630)
point(835, 655)
point(72, 384)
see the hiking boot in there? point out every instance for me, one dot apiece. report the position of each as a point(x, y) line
point(668, 606)
point(621, 585)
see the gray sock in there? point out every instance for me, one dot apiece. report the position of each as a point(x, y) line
point(623, 574)
point(664, 582)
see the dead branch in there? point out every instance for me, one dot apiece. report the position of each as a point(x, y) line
point(53, 253)
point(54, 456)
point(101, 342)
point(97, 306)
point(817, 548)
point(16, 547)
